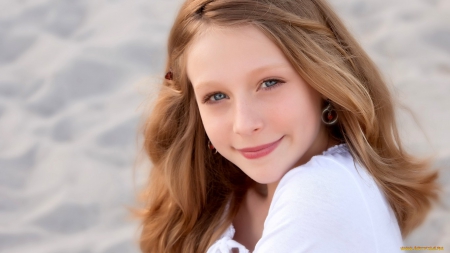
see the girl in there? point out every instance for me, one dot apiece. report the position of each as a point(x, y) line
point(274, 132)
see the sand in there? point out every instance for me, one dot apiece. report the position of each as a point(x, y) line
point(74, 76)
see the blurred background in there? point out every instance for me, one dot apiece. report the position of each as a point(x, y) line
point(76, 77)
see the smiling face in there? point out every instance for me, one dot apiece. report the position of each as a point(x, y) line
point(257, 111)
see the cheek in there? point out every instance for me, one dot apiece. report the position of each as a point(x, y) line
point(298, 109)
point(214, 124)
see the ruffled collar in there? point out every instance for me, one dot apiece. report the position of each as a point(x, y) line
point(226, 244)
point(338, 148)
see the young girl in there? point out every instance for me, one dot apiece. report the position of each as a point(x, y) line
point(274, 132)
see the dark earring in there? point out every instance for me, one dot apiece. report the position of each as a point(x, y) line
point(210, 146)
point(329, 115)
point(169, 75)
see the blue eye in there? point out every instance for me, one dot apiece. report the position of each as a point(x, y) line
point(213, 97)
point(218, 96)
point(270, 83)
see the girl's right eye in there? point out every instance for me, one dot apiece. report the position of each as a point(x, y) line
point(213, 97)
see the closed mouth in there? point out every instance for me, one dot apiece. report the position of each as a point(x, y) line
point(259, 151)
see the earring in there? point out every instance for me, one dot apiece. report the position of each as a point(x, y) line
point(329, 115)
point(169, 75)
point(210, 146)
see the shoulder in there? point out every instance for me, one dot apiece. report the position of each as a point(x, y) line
point(323, 206)
point(327, 179)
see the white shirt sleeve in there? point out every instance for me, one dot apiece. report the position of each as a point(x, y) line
point(318, 207)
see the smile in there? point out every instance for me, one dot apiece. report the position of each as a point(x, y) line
point(259, 151)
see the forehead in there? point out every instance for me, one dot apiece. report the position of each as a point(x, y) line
point(223, 51)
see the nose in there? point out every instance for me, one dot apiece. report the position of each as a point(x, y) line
point(247, 118)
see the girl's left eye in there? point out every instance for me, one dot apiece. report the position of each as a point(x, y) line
point(271, 83)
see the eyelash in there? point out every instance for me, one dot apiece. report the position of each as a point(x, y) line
point(207, 97)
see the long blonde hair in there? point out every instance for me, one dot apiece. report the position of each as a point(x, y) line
point(192, 196)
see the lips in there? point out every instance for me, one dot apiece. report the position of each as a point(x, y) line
point(259, 151)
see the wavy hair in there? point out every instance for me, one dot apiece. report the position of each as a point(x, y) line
point(192, 196)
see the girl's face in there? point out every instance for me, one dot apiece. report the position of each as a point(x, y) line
point(257, 111)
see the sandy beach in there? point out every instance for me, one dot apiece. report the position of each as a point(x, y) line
point(75, 79)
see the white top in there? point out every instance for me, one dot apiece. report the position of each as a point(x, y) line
point(325, 205)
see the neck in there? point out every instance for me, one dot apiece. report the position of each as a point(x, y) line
point(265, 192)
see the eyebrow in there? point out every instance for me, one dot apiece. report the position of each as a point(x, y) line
point(204, 84)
